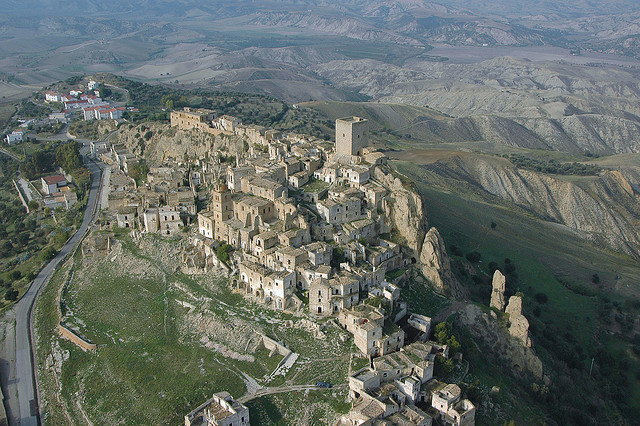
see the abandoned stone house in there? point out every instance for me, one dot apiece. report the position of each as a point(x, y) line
point(332, 295)
point(372, 334)
point(395, 382)
point(220, 410)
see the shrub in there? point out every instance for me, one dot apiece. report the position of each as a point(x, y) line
point(48, 253)
point(455, 250)
point(223, 252)
point(473, 257)
point(541, 298)
point(11, 295)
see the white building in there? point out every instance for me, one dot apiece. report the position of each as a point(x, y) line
point(15, 137)
point(52, 97)
point(93, 85)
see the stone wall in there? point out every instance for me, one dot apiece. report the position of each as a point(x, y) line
point(75, 339)
point(273, 346)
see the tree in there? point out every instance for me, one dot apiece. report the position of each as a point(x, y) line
point(541, 298)
point(595, 278)
point(103, 91)
point(222, 252)
point(33, 205)
point(68, 156)
point(454, 345)
point(11, 295)
point(60, 238)
point(48, 253)
point(16, 274)
point(473, 256)
point(442, 332)
point(139, 171)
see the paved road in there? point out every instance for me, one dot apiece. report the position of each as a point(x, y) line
point(24, 366)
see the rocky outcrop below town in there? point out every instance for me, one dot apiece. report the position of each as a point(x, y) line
point(404, 210)
point(436, 265)
point(158, 142)
point(406, 215)
point(486, 327)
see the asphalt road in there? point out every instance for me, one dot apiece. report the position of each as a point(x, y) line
point(24, 365)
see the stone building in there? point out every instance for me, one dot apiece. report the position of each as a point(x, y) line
point(329, 296)
point(451, 408)
point(351, 136)
point(193, 119)
point(220, 410)
point(371, 333)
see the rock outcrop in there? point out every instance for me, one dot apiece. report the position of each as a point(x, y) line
point(404, 211)
point(158, 142)
point(499, 285)
point(519, 327)
point(436, 266)
point(493, 338)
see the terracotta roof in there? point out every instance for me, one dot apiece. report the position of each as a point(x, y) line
point(53, 179)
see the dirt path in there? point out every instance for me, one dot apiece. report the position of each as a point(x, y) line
point(282, 389)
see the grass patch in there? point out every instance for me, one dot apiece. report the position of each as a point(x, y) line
point(422, 299)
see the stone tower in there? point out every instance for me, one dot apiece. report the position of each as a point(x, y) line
point(351, 135)
point(222, 208)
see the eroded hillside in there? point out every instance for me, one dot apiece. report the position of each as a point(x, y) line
point(604, 209)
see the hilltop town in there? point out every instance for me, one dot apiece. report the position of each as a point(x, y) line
point(275, 252)
point(301, 225)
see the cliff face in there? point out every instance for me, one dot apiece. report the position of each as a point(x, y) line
point(165, 142)
point(406, 215)
point(404, 211)
point(604, 209)
point(436, 266)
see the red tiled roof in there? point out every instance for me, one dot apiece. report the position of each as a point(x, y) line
point(53, 179)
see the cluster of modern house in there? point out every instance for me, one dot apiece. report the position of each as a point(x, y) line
point(57, 192)
point(89, 102)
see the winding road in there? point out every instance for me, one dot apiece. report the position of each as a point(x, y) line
point(25, 374)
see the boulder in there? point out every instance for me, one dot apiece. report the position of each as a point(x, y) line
point(499, 284)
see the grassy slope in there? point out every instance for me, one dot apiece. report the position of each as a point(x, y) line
point(543, 252)
point(147, 361)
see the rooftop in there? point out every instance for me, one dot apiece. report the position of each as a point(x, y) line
point(50, 180)
point(352, 119)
